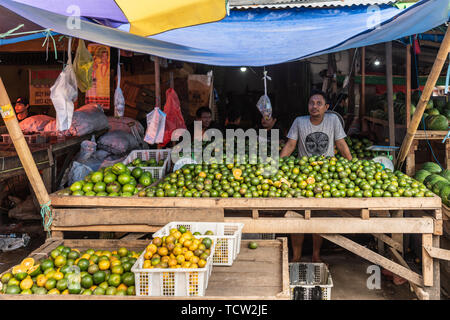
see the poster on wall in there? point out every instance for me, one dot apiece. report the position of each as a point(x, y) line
point(99, 92)
point(40, 82)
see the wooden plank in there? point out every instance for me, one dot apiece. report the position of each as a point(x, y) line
point(394, 244)
point(427, 260)
point(285, 269)
point(427, 203)
point(149, 216)
point(374, 258)
point(69, 297)
point(438, 227)
point(335, 225)
point(438, 213)
point(430, 135)
point(438, 253)
point(421, 294)
point(255, 214)
point(446, 212)
point(111, 228)
point(390, 93)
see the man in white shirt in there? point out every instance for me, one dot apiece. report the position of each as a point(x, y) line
point(315, 135)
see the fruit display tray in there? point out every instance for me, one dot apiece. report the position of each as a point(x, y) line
point(243, 280)
point(157, 154)
point(227, 237)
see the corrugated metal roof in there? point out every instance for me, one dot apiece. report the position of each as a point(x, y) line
point(279, 4)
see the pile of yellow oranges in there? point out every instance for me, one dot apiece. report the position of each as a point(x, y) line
point(180, 249)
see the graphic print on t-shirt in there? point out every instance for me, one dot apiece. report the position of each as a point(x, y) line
point(316, 143)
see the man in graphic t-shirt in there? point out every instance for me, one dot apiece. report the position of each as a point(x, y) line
point(315, 135)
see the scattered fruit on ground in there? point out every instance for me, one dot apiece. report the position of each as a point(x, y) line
point(253, 245)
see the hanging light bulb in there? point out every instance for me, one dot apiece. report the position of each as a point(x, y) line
point(243, 69)
point(376, 62)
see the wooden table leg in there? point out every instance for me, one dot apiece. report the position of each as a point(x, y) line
point(435, 290)
point(447, 153)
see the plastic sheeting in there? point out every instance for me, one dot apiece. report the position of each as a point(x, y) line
point(261, 37)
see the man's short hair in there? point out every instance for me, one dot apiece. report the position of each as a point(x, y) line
point(319, 93)
point(202, 110)
point(22, 100)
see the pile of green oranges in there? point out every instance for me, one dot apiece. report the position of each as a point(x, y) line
point(69, 271)
point(316, 176)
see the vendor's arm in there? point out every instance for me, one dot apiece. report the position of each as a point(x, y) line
point(292, 138)
point(343, 148)
point(288, 148)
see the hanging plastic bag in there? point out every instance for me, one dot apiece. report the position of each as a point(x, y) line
point(156, 121)
point(82, 65)
point(174, 118)
point(63, 93)
point(119, 100)
point(264, 106)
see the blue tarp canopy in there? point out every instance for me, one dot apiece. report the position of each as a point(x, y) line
point(255, 37)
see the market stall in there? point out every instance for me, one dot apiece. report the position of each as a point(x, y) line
point(377, 215)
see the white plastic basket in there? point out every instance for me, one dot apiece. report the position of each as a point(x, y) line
point(227, 238)
point(157, 154)
point(171, 282)
point(310, 281)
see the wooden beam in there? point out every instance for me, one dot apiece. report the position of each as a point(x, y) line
point(334, 225)
point(426, 94)
point(390, 93)
point(421, 294)
point(394, 244)
point(112, 216)
point(427, 260)
point(427, 203)
point(23, 151)
point(365, 214)
point(398, 237)
point(438, 253)
point(374, 257)
point(157, 83)
point(408, 84)
point(362, 106)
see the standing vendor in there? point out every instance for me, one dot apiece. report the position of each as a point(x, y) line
point(314, 135)
point(21, 107)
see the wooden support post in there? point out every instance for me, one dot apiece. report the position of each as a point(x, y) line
point(411, 159)
point(23, 151)
point(390, 93)
point(365, 214)
point(374, 257)
point(426, 94)
point(398, 237)
point(255, 214)
point(362, 105)
point(447, 154)
point(435, 290)
point(172, 84)
point(307, 214)
point(427, 260)
point(47, 178)
point(157, 83)
point(384, 238)
point(408, 84)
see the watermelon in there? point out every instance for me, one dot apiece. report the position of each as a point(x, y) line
point(421, 175)
point(433, 112)
point(432, 179)
point(445, 195)
point(445, 174)
point(439, 185)
point(446, 113)
point(430, 104)
point(435, 122)
point(440, 104)
point(431, 167)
